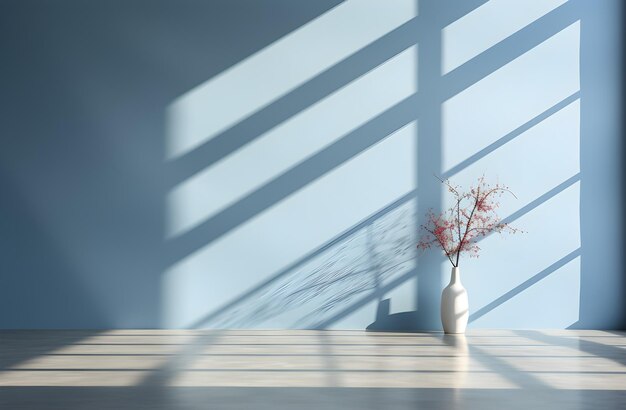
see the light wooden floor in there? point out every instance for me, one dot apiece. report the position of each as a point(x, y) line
point(312, 369)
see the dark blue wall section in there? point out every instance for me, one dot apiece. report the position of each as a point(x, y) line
point(268, 163)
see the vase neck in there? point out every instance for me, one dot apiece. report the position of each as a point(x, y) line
point(455, 276)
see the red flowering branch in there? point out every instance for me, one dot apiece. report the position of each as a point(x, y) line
point(472, 217)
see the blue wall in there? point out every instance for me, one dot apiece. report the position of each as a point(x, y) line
point(267, 164)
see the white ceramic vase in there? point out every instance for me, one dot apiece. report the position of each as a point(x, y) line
point(454, 305)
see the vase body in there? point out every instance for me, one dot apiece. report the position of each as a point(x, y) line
point(454, 305)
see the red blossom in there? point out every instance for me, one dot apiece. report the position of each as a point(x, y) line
point(472, 217)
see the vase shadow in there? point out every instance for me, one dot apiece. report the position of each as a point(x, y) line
point(407, 322)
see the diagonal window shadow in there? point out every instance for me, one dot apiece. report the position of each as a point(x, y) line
point(525, 285)
point(257, 81)
point(511, 218)
point(510, 136)
point(289, 182)
point(423, 100)
point(429, 151)
point(509, 49)
point(615, 353)
point(333, 78)
point(335, 245)
point(297, 100)
point(543, 198)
